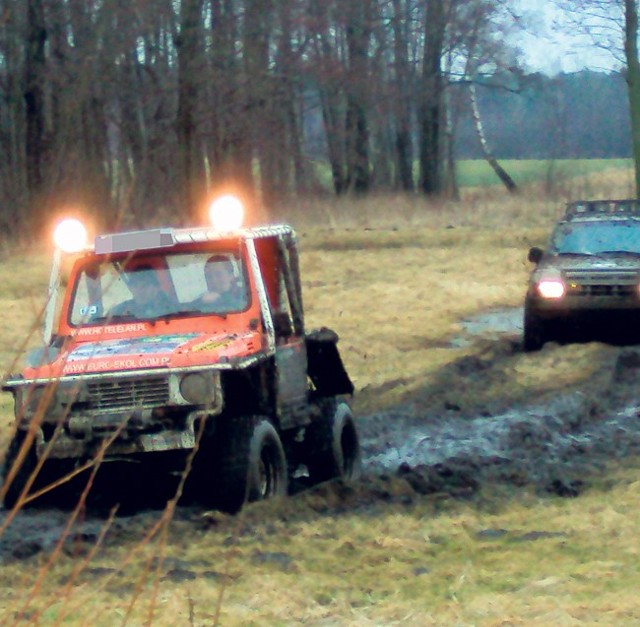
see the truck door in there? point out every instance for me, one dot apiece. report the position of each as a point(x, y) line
point(279, 270)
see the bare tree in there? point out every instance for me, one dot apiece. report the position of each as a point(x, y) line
point(189, 48)
point(13, 183)
point(481, 52)
point(633, 79)
point(501, 173)
point(358, 33)
point(403, 82)
point(35, 72)
point(327, 67)
point(431, 97)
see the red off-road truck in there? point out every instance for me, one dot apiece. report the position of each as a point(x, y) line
point(236, 389)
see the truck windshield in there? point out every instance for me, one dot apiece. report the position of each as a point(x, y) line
point(152, 286)
point(597, 237)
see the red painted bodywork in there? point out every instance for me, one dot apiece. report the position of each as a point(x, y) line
point(177, 342)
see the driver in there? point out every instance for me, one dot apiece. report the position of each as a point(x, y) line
point(149, 299)
point(223, 291)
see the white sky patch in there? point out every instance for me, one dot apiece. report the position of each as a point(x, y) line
point(551, 42)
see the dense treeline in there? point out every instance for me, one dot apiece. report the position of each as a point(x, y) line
point(147, 106)
point(582, 115)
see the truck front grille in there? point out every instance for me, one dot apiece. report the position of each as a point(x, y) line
point(125, 394)
point(621, 291)
point(613, 283)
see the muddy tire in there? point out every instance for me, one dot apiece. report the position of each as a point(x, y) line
point(23, 473)
point(535, 333)
point(333, 449)
point(251, 464)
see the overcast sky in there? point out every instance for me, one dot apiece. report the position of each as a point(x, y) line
point(554, 48)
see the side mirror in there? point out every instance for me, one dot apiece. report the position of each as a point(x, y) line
point(535, 254)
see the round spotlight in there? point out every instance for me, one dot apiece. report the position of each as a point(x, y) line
point(226, 213)
point(70, 235)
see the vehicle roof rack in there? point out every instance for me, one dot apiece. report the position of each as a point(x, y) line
point(159, 238)
point(627, 207)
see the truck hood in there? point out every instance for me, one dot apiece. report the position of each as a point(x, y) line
point(183, 350)
point(592, 262)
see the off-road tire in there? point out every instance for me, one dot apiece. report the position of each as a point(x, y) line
point(251, 463)
point(22, 475)
point(534, 332)
point(333, 449)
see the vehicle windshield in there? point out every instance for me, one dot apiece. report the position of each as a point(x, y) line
point(152, 286)
point(594, 238)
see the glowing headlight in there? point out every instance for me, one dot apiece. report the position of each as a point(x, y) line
point(226, 213)
point(197, 389)
point(551, 289)
point(70, 236)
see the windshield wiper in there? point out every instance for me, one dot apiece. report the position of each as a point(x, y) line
point(112, 317)
point(185, 312)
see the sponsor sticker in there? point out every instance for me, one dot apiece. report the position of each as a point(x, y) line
point(210, 344)
point(137, 347)
point(112, 329)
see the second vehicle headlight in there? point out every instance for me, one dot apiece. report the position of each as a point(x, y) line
point(551, 288)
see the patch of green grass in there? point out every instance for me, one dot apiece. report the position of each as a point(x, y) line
point(477, 172)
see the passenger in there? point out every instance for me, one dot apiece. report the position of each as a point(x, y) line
point(224, 292)
point(149, 299)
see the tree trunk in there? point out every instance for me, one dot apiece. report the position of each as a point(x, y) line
point(35, 107)
point(356, 123)
point(431, 100)
point(450, 176)
point(13, 177)
point(328, 79)
point(262, 119)
point(288, 70)
point(633, 82)
point(189, 66)
point(357, 136)
point(331, 120)
point(502, 174)
point(403, 144)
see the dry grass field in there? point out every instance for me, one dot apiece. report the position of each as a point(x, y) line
point(394, 277)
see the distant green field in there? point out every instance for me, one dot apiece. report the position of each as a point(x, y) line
point(477, 172)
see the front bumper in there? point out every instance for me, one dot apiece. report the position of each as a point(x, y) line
point(64, 446)
point(583, 307)
point(152, 412)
